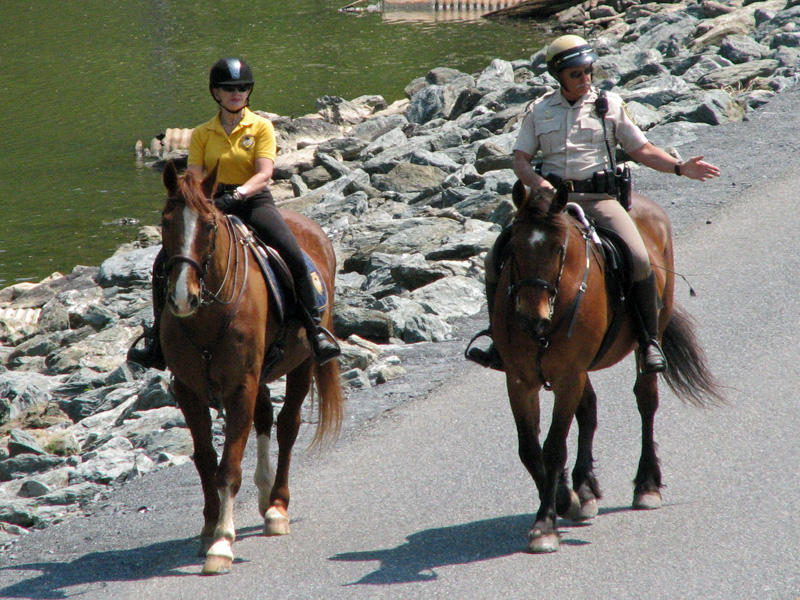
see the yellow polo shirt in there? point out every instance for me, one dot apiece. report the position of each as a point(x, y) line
point(254, 137)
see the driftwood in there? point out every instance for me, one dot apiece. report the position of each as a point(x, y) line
point(533, 9)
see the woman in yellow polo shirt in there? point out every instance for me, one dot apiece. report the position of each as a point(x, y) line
point(241, 144)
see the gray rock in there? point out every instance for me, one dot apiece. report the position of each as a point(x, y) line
point(741, 49)
point(498, 72)
point(25, 464)
point(428, 103)
point(406, 177)
point(21, 442)
point(738, 75)
point(128, 268)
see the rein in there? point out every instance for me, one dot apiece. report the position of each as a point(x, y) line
point(543, 341)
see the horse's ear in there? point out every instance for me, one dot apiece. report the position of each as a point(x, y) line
point(559, 200)
point(519, 194)
point(210, 182)
point(170, 177)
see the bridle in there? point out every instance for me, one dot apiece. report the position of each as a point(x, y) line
point(206, 295)
point(543, 340)
point(550, 288)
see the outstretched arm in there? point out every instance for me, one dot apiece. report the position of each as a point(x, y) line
point(655, 158)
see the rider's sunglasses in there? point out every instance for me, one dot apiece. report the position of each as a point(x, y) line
point(233, 87)
point(578, 73)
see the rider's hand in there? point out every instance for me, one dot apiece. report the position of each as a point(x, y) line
point(225, 202)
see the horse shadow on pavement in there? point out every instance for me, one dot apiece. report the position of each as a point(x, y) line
point(91, 572)
point(425, 551)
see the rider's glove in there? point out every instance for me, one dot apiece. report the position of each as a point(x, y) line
point(225, 202)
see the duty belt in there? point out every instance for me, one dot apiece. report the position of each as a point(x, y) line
point(601, 182)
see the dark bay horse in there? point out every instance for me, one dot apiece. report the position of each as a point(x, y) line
point(216, 332)
point(551, 314)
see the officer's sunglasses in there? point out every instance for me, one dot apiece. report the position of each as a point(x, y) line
point(233, 87)
point(578, 73)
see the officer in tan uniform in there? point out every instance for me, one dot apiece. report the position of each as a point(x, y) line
point(577, 149)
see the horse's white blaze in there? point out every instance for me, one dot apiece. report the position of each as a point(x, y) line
point(264, 476)
point(181, 295)
point(537, 237)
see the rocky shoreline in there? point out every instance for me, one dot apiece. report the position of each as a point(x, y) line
point(412, 195)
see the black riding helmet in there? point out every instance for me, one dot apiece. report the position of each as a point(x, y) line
point(230, 71)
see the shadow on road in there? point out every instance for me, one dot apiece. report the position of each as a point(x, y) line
point(418, 558)
point(90, 572)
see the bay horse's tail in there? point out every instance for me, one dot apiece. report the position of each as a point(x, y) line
point(687, 374)
point(331, 403)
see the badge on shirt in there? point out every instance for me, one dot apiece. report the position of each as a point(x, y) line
point(247, 142)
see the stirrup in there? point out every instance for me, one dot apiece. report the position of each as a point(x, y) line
point(324, 346)
point(657, 363)
point(486, 358)
point(151, 355)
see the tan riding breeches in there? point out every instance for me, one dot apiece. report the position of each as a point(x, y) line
point(608, 213)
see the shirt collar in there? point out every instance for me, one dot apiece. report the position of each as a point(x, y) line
point(247, 119)
point(559, 100)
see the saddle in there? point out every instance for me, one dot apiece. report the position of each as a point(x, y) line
point(277, 275)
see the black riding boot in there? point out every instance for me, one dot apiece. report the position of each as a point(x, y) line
point(151, 355)
point(489, 357)
point(323, 343)
point(645, 297)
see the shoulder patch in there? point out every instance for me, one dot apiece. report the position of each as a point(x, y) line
point(628, 113)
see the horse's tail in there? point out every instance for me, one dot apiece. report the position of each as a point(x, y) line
point(687, 374)
point(331, 403)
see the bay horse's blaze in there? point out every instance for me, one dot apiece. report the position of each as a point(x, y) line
point(216, 332)
point(551, 314)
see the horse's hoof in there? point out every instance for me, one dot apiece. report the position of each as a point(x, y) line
point(574, 511)
point(647, 500)
point(543, 543)
point(586, 511)
point(217, 565)
point(276, 522)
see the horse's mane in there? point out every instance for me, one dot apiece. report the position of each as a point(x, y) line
point(191, 192)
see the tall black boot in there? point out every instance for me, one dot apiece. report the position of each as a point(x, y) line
point(490, 357)
point(645, 299)
point(151, 355)
point(323, 343)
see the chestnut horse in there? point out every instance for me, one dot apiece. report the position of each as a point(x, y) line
point(216, 332)
point(551, 314)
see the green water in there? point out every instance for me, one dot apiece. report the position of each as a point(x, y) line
point(83, 80)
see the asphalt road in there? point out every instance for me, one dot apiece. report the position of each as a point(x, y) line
point(427, 499)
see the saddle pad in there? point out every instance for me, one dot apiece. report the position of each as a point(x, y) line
point(276, 273)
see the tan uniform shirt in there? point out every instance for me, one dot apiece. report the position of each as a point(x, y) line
point(570, 136)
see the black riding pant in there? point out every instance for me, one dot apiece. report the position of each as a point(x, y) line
point(259, 211)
